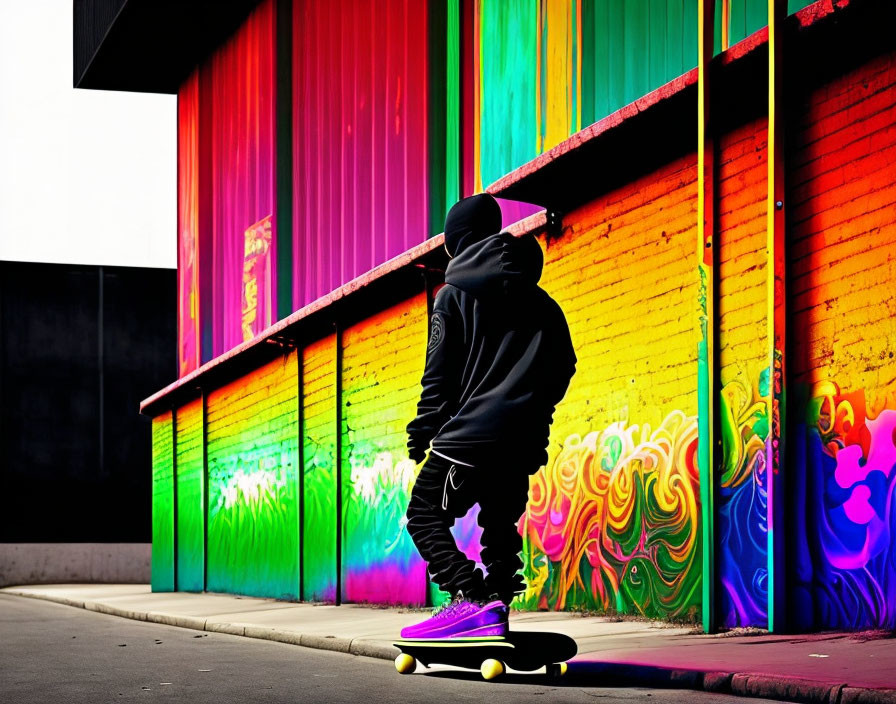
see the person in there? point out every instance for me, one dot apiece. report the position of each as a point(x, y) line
point(498, 361)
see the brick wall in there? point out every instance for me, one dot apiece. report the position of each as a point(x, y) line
point(843, 372)
point(319, 482)
point(612, 522)
point(190, 497)
point(253, 541)
point(613, 519)
point(162, 564)
point(382, 363)
point(742, 559)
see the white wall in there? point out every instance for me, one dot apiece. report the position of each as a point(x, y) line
point(86, 177)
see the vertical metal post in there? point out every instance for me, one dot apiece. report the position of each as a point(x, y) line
point(776, 318)
point(726, 24)
point(706, 378)
point(339, 536)
point(300, 383)
point(205, 516)
point(176, 547)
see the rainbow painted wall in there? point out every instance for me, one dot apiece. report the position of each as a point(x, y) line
point(291, 478)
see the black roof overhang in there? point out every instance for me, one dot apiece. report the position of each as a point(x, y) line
point(148, 46)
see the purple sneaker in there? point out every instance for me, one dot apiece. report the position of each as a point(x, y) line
point(463, 619)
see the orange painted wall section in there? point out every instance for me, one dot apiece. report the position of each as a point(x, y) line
point(843, 253)
point(742, 514)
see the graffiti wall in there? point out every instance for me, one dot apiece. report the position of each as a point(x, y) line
point(307, 477)
point(319, 486)
point(162, 564)
point(190, 498)
point(381, 369)
point(253, 506)
point(742, 555)
point(843, 408)
point(612, 523)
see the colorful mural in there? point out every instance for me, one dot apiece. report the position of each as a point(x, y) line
point(741, 557)
point(162, 566)
point(616, 520)
point(319, 477)
point(842, 497)
point(382, 365)
point(190, 498)
point(253, 511)
point(742, 537)
point(612, 523)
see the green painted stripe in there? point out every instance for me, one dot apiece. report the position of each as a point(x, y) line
point(284, 204)
point(452, 110)
point(437, 113)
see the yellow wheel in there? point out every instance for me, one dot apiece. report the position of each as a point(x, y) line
point(491, 669)
point(405, 664)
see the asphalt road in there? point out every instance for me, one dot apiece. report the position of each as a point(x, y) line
point(55, 653)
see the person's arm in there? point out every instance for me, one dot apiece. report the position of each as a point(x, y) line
point(441, 380)
point(564, 360)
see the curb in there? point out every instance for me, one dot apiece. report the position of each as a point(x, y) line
point(351, 646)
point(791, 689)
point(736, 683)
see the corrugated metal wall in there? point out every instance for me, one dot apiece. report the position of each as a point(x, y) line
point(398, 109)
point(360, 121)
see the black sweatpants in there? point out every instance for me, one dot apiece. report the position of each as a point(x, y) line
point(445, 491)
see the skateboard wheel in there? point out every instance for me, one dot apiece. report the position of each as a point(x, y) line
point(557, 669)
point(405, 664)
point(491, 669)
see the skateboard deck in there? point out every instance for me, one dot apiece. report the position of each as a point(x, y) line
point(519, 650)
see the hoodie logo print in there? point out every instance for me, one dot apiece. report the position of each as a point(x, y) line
point(435, 336)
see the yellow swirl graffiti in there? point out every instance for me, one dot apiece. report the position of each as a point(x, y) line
point(612, 522)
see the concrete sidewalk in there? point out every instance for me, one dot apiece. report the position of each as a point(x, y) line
point(832, 667)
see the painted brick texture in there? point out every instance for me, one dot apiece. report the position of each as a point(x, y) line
point(382, 363)
point(742, 552)
point(843, 231)
point(253, 537)
point(612, 521)
point(190, 498)
point(842, 193)
point(162, 561)
point(625, 265)
point(319, 480)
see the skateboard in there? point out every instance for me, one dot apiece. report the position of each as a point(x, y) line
point(519, 650)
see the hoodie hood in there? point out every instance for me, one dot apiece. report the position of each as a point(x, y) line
point(470, 220)
point(498, 266)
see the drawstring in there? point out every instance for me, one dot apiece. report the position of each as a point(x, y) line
point(448, 478)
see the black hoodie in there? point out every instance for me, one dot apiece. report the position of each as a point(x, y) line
point(499, 358)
